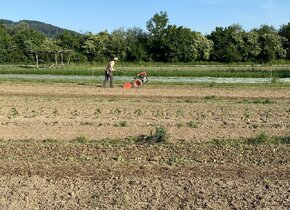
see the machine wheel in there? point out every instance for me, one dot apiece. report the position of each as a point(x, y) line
point(137, 83)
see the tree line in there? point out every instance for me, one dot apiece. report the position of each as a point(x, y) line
point(161, 42)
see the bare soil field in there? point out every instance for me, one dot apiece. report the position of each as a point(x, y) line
point(69, 146)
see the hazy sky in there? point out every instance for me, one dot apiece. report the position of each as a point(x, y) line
point(98, 15)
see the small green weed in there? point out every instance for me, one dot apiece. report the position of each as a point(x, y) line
point(192, 124)
point(55, 112)
point(123, 124)
point(115, 111)
point(97, 112)
point(14, 112)
point(138, 112)
point(179, 113)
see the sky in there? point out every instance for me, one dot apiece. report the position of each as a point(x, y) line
point(99, 15)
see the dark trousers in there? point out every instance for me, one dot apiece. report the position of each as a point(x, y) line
point(108, 76)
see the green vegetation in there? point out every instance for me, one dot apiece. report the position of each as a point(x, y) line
point(160, 136)
point(257, 101)
point(192, 124)
point(32, 42)
point(14, 112)
point(165, 71)
point(260, 139)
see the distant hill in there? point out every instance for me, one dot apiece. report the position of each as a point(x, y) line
point(44, 28)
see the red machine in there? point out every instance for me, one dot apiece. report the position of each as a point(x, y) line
point(138, 81)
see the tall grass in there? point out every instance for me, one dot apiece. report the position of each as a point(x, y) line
point(159, 71)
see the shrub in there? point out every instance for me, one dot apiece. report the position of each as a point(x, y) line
point(160, 136)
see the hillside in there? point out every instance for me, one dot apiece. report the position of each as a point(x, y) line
point(44, 28)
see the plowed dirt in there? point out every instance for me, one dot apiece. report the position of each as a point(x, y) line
point(68, 146)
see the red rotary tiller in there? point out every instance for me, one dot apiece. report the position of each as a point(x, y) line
point(138, 81)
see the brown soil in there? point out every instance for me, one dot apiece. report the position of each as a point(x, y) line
point(66, 146)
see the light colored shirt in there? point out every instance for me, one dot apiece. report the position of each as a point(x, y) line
point(110, 66)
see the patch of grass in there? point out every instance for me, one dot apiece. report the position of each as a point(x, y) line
point(14, 112)
point(179, 113)
point(157, 113)
point(260, 139)
point(123, 124)
point(138, 112)
point(112, 99)
point(155, 69)
point(192, 124)
point(80, 140)
point(212, 84)
point(218, 142)
point(282, 140)
point(115, 111)
point(160, 136)
point(210, 97)
point(263, 101)
point(50, 141)
point(257, 101)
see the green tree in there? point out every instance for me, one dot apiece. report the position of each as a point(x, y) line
point(117, 45)
point(89, 47)
point(284, 32)
point(6, 46)
point(156, 27)
point(183, 45)
point(157, 24)
point(201, 46)
point(136, 41)
point(270, 43)
point(252, 48)
point(178, 45)
point(102, 45)
point(72, 41)
point(228, 43)
point(27, 41)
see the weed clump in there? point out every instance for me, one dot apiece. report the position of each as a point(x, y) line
point(160, 136)
point(260, 139)
point(80, 140)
